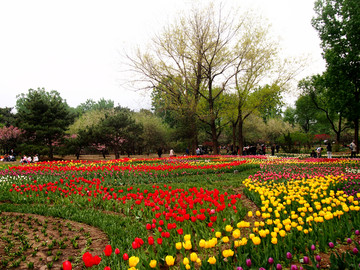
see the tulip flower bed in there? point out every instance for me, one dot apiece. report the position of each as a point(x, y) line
point(188, 212)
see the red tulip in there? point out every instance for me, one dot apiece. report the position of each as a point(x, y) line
point(67, 265)
point(108, 250)
point(151, 240)
point(117, 251)
point(125, 257)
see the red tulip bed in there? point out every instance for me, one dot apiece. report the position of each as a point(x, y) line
point(189, 212)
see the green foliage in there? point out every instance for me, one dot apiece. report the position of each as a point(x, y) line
point(155, 133)
point(91, 105)
point(338, 24)
point(44, 116)
point(118, 131)
point(7, 118)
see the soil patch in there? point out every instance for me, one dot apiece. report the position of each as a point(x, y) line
point(29, 241)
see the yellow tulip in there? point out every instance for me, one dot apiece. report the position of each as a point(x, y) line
point(187, 237)
point(187, 245)
point(193, 257)
point(178, 245)
point(170, 260)
point(225, 239)
point(236, 233)
point(133, 261)
point(256, 240)
point(153, 263)
point(274, 240)
point(212, 260)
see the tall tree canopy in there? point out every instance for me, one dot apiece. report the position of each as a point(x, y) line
point(338, 24)
point(44, 116)
point(204, 54)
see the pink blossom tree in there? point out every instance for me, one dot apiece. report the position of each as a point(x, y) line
point(9, 136)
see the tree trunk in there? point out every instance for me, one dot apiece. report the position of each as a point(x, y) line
point(234, 133)
point(193, 132)
point(356, 135)
point(214, 137)
point(241, 138)
point(51, 150)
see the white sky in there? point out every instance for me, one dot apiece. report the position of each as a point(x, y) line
point(73, 46)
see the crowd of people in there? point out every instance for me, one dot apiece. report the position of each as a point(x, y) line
point(11, 157)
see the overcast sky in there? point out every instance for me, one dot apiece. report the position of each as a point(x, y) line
point(73, 46)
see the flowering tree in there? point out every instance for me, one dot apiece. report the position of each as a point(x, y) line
point(8, 137)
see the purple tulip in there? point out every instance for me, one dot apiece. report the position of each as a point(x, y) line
point(262, 268)
point(289, 255)
point(331, 245)
point(293, 267)
point(270, 260)
point(239, 268)
point(306, 260)
point(349, 241)
point(318, 258)
point(278, 266)
point(318, 266)
point(355, 251)
point(248, 262)
point(313, 247)
point(357, 232)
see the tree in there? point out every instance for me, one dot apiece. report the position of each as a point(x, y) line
point(305, 113)
point(9, 137)
point(118, 131)
point(338, 25)
point(203, 55)
point(320, 95)
point(155, 133)
point(257, 62)
point(7, 118)
point(91, 105)
point(44, 116)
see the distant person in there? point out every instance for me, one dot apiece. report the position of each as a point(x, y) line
point(36, 158)
point(353, 149)
point(318, 152)
point(187, 151)
point(273, 150)
point(159, 152)
point(198, 151)
point(313, 154)
point(329, 150)
point(172, 153)
point(24, 160)
point(277, 148)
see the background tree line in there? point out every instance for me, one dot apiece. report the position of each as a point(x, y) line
point(216, 78)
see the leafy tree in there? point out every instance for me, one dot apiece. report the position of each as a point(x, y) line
point(7, 118)
point(275, 128)
point(91, 105)
point(44, 116)
point(290, 115)
point(305, 113)
point(118, 131)
point(338, 25)
point(155, 133)
point(321, 96)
